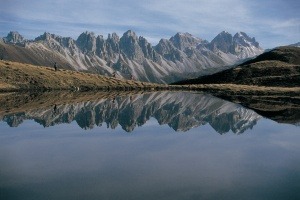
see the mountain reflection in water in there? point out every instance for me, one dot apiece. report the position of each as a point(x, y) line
point(180, 110)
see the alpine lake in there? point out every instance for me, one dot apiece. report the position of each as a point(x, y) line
point(147, 145)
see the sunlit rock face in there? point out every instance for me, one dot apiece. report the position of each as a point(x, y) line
point(180, 57)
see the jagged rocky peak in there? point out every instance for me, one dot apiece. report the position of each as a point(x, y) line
point(129, 44)
point(129, 36)
point(45, 37)
point(14, 37)
point(112, 46)
point(68, 42)
point(164, 46)
point(87, 42)
point(113, 40)
point(168, 50)
point(240, 45)
point(100, 38)
point(143, 41)
point(244, 40)
point(185, 40)
point(223, 41)
point(147, 49)
point(100, 46)
point(113, 37)
point(169, 61)
point(130, 33)
point(55, 41)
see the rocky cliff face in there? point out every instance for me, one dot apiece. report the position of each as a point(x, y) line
point(87, 42)
point(181, 111)
point(168, 61)
point(222, 42)
point(14, 37)
point(240, 45)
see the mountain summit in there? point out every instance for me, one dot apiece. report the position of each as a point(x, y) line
point(132, 55)
point(14, 37)
point(240, 45)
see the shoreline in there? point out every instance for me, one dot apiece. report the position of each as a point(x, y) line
point(225, 89)
point(280, 108)
point(21, 77)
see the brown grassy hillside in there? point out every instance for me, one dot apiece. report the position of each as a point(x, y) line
point(17, 53)
point(18, 76)
point(23, 77)
point(287, 54)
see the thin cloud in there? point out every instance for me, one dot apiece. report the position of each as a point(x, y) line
point(266, 20)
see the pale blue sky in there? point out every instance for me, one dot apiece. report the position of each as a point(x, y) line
point(271, 22)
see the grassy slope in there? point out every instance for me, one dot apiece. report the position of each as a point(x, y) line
point(287, 54)
point(279, 67)
point(278, 103)
point(23, 77)
point(16, 53)
point(18, 76)
point(263, 73)
point(268, 84)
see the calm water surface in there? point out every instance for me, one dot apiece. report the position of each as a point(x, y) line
point(151, 146)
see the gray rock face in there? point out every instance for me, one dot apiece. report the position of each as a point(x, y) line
point(45, 37)
point(113, 42)
point(240, 44)
point(100, 47)
point(184, 40)
point(112, 45)
point(223, 41)
point(168, 50)
point(180, 57)
point(243, 39)
point(14, 37)
point(129, 45)
point(57, 42)
point(147, 49)
point(87, 42)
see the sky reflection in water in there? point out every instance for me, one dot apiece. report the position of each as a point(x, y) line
point(151, 162)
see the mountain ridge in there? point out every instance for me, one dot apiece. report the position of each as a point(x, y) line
point(128, 55)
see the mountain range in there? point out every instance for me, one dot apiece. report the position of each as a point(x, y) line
point(182, 56)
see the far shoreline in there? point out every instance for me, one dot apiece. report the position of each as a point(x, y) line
point(21, 77)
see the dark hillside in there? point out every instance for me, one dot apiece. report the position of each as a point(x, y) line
point(279, 67)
